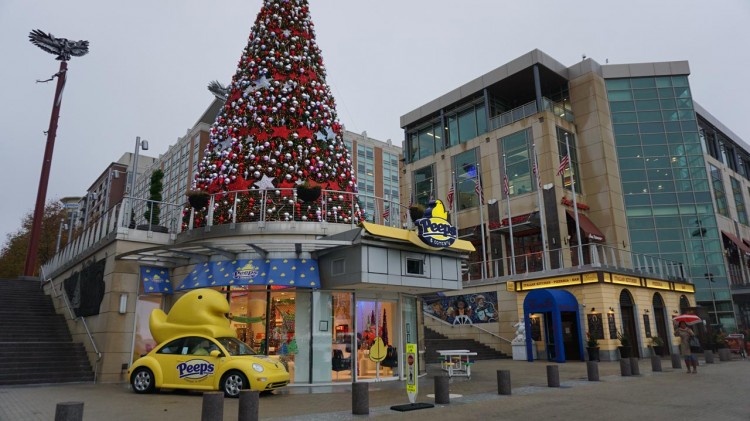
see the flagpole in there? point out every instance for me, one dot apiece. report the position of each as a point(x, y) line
point(575, 203)
point(481, 221)
point(454, 202)
point(510, 221)
point(542, 216)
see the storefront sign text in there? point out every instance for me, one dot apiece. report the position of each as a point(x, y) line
point(651, 283)
point(626, 280)
point(551, 282)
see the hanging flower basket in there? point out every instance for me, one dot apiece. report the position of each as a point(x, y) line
point(307, 193)
point(416, 212)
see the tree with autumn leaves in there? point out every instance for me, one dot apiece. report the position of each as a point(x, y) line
point(13, 252)
point(278, 130)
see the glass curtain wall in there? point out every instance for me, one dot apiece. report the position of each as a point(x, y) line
point(518, 163)
point(424, 185)
point(465, 167)
point(665, 184)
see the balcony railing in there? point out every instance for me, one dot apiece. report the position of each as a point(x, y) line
point(529, 109)
point(595, 256)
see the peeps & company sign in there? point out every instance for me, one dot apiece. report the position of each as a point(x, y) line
point(434, 229)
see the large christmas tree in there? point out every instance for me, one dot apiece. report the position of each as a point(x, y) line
point(278, 130)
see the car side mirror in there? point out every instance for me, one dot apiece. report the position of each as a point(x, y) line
point(215, 353)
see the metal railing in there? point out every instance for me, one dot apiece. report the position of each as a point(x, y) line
point(595, 256)
point(71, 313)
point(477, 326)
point(529, 109)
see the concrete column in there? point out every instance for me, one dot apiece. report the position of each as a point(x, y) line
point(213, 406)
point(360, 398)
point(69, 411)
point(249, 406)
point(553, 376)
point(655, 363)
point(503, 382)
point(442, 391)
point(592, 370)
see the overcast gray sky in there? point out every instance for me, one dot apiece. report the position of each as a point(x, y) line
point(150, 61)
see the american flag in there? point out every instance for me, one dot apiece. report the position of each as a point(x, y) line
point(451, 192)
point(535, 169)
point(387, 213)
point(563, 165)
point(478, 190)
point(506, 187)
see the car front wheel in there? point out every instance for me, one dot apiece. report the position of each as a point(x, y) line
point(142, 381)
point(233, 382)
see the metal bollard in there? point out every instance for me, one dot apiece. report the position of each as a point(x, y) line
point(213, 406)
point(709, 356)
point(503, 382)
point(553, 376)
point(635, 369)
point(249, 406)
point(442, 390)
point(69, 411)
point(592, 371)
point(676, 361)
point(360, 398)
point(725, 354)
point(625, 367)
point(655, 363)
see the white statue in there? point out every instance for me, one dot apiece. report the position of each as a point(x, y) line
point(520, 332)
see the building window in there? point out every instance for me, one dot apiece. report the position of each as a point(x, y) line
point(465, 167)
point(518, 162)
point(739, 201)
point(414, 266)
point(424, 185)
point(571, 172)
point(719, 194)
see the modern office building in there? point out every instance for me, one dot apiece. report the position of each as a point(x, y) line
point(651, 174)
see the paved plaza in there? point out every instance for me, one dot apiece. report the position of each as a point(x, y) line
point(719, 391)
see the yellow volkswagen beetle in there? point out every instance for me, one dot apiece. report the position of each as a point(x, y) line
point(203, 363)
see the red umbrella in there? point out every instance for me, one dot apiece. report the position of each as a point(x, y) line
point(689, 319)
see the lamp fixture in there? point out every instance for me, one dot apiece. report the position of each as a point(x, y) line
point(611, 310)
point(593, 309)
point(645, 311)
point(675, 312)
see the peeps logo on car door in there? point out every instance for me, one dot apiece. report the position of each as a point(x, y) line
point(195, 369)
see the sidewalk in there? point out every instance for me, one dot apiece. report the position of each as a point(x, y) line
point(718, 391)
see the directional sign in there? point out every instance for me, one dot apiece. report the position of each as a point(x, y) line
point(411, 372)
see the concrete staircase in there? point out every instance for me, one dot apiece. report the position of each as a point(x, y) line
point(434, 341)
point(35, 343)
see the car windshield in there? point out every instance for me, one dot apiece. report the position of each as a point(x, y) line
point(235, 347)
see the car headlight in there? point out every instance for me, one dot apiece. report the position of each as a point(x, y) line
point(257, 367)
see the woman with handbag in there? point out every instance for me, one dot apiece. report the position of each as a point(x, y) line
point(686, 335)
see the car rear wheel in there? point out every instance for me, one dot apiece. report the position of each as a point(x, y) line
point(233, 382)
point(142, 380)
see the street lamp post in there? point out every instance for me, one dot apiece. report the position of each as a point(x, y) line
point(59, 234)
point(139, 144)
point(64, 49)
point(710, 278)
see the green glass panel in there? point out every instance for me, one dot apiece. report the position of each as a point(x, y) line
point(663, 199)
point(691, 138)
point(648, 247)
point(625, 129)
point(641, 223)
point(620, 95)
point(635, 188)
point(663, 222)
point(642, 235)
point(663, 81)
point(624, 118)
point(679, 81)
point(631, 164)
point(467, 126)
point(663, 186)
point(672, 126)
point(670, 246)
point(655, 174)
point(670, 115)
point(668, 104)
point(689, 126)
point(637, 200)
point(654, 138)
point(628, 140)
point(638, 211)
point(651, 127)
point(630, 176)
point(685, 198)
point(644, 82)
point(629, 152)
point(655, 150)
point(686, 114)
point(682, 92)
point(453, 130)
point(645, 94)
point(674, 138)
point(685, 103)
point(621, 106)
point(650, 104)
point(666, 93)
point(615, 84)
point(647, 116)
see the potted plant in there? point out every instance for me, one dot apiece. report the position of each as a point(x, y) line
point(307, 192)
point(416, 211)
point(625, 344)
point(153, 211)
point(657, 344)
point(198, 199)
point(592, 346)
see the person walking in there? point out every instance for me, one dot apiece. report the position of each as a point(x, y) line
point(685, 333)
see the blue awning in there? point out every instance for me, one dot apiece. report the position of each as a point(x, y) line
point(156, 280)
point(283, 272)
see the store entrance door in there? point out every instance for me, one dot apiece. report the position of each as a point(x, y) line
point(377, 319)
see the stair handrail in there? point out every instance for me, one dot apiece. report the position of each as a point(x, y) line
point(73, 317)
point(433, 317)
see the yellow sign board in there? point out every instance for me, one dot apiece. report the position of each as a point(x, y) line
point(560, 281)
point(411, 372)
point(590, 278)
point(626, 280)
point(684, 287)
point(653, 283)
point(510, 286)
